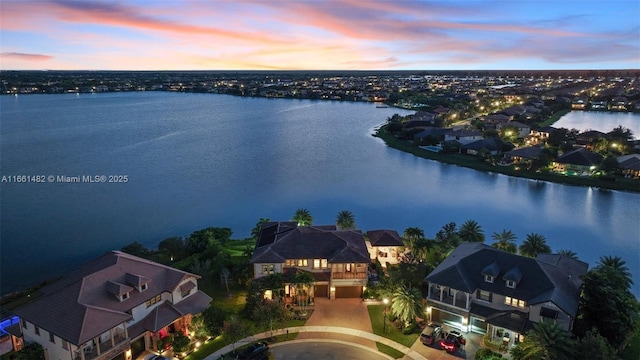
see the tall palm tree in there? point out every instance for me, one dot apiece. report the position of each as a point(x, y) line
point(411, 235)
point(302, 217)
point(505, 240)
point(471, 231)
point(568, 253)
point(406, 304)
point(421, 248)
point(547, 341)
point(345, 220)
point(533, 245)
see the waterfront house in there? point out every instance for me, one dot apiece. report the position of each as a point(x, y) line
point(384, 245)
point(463, 136)
point(630, 165)
point(523, 129)
point(114, 307)
point(492, 145)
point(580, 162)
point(338, 260)
point(579, 103)
point(485, 290)
point(524, 155)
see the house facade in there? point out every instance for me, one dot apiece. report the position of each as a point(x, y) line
point(114, 307)
point(338, 260)
point(485, 290)
point(385, 246)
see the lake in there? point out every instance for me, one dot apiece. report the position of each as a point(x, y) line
point(199, 160)
point(600, 121)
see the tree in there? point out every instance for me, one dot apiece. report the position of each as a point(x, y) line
point(606, 290)
point(505, 240)
point(406, 304)
point(180, 342)
point(547, 341)
point(411, 235)
point(270, 314)
point(224, 277)
point(471, 231)
point(302, 217)
point(533, 245)
point(593, 346)
point(568, 253)
point(345, 220)
point(303, 281)
point(32, 351)
point(448, 235)
point(255, 232)
point(421, 249)
point(136, 249)
point(235, 330)
point(174, 248)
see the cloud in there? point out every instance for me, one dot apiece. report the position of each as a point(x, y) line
point(15, 56)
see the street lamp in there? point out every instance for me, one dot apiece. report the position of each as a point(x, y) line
point(384, 312)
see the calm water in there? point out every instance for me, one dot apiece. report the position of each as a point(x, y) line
point(600, 121)
point(198, 160)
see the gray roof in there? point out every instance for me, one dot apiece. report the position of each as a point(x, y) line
point(83, 304)
point(530, 152)
point(581, 156)
point(280, 241)
point(549, 277)
point(384, 238)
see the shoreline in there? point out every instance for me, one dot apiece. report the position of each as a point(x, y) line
point(468, 161)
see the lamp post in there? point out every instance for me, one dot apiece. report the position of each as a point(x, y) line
point(384, 312)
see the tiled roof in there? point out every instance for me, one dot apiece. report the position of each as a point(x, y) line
point(549, 277)
point(384, 238)
point(580, 156)
point(82, 305)
point(530, 152)
point(309, 242)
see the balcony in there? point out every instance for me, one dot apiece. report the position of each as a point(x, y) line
point(107, 350)
point(348, 275)
point(460, 300)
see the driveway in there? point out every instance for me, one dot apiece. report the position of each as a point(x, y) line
point(349, 313)
point(433, 352)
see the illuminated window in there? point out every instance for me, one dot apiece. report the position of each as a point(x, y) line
point(154, 300)
point(324, 263)
point(514, 302)
point(268, 294)
point(303, 262)
point(316, 263)
point(348, 268)
point(268, 269)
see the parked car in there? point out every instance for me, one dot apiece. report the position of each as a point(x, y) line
point(453, 341)
point(430, 333)
point(254, 351)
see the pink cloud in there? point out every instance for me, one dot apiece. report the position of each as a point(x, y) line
point(15, 56)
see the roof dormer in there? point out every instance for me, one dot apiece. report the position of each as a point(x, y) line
point(140, 282)
point(119, 290)
point(490, 272)
point(512, 277)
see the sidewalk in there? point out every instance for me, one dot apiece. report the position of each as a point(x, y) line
point(410, 354)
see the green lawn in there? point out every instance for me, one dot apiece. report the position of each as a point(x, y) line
point(377, 323)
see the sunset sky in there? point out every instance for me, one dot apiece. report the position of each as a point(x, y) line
point(314, 34)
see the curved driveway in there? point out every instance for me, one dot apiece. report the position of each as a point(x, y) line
point(325, 350)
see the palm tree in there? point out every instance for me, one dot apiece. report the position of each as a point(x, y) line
point(547, 341)
point(302, 217)
point(411, 235)
point(255, 232)
point(345, 220)
point(505, 240)
point(421, 248)
point(471, 231)
point(568, 253)
point(616, 267)
point(406, 304)
point(533, 245)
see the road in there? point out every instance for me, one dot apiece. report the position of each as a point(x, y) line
point(324, 350)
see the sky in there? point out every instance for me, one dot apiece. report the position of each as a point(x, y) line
point(319, 35)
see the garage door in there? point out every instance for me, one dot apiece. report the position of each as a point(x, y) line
point(137, 347)
point(320, 291)
point(348, 292)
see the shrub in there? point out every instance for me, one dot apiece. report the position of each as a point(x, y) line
point(487, 354)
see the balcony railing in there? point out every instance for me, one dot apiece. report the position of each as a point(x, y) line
point(349, 275)
point(91, 352)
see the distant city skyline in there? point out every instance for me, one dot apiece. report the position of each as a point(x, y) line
point(319, 35)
